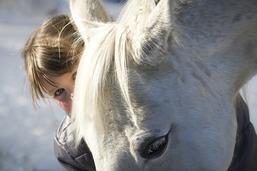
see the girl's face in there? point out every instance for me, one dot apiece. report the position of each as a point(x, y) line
point(63, 93)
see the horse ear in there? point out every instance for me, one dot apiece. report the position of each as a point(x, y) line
point(157, 31)
point(160, 17)
point(86, 12)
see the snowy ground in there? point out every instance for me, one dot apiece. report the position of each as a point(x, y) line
point(26, 135)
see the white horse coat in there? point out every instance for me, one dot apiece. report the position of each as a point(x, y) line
point(155, 90)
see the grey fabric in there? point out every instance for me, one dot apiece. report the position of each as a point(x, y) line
point(70, 157)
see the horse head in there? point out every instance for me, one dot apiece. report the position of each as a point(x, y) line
point(155, 90)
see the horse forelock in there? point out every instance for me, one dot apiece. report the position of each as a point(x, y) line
point(108, 50)
point(110, 47)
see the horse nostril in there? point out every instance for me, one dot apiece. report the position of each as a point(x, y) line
point(155, 147)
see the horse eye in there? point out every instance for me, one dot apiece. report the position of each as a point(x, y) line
point(155, 148)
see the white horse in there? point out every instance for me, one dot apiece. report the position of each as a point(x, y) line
point(156, 89)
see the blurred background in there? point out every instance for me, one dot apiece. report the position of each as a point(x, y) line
point(26, 135)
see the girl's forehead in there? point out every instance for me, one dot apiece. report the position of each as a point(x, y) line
point(54, 81)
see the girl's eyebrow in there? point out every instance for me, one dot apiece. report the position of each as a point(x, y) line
point(52, 90)
point(74, 74)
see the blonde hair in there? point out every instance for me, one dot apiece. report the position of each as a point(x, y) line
point(52, 50)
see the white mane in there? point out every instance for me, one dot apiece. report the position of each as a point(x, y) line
point(109, 51)
point(96, 61)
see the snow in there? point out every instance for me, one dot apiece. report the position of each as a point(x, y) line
point(26, 135)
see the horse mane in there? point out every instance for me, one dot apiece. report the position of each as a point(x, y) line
point(108, 50)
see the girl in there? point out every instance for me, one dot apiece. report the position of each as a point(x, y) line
point(51, 56)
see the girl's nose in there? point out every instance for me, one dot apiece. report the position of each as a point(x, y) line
point(71, 96)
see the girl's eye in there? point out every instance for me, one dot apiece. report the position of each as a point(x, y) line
point(58, 92)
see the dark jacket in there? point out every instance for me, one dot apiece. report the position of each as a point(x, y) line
point(71, 158)
point(80, 159)
point(245, 154)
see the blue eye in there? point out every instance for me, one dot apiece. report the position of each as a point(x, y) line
point(58, 92)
